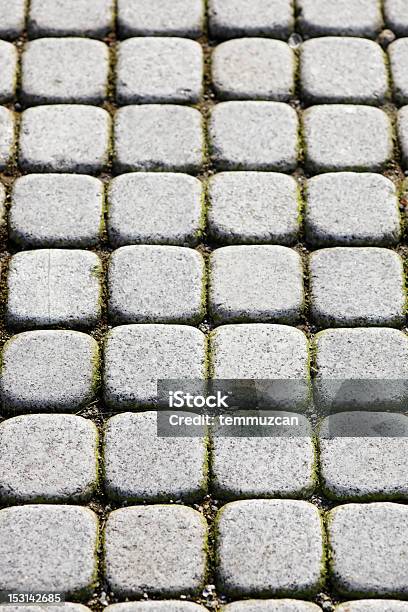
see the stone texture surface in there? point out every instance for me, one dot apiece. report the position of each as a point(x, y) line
point(373, 605)
point(136, 356)
point(340, 17)
point(94, 18)
point(368, 545)
point(235, 18)
point(350, 208)
point(49, 370)
point(8, 71)
point(253, 207)
point(253, 68)
point(256, 283)
point(64, 138)
point(155, 208)
point(58, 70)
point(159, 550)
point(169, 605)
point(346, 137)
point(159, 70)
point(48, 548)
point(403, 134)
point(396, 16)
point(7, 138)
point(159, 138)
point(270, 605)
point(373, 295)
point(12, 19)
point(51, 210)
point(156, 284)
point(47, 458)
point(254, 136)
point(398, 54)
point(160, 18)
point(51, 287)
point(66, 606)
point(283, 547)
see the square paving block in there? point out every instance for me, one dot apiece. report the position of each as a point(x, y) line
point(340, 17)
point(7, 138)
point(12, 18)
point(168, 605)
point(403, 134)
point(160, 18)
point(92, 18)
point(270, 605)
point(372, 605)
point(396, 16)
point(8, 71)
point(235, 18)
point(398, 54)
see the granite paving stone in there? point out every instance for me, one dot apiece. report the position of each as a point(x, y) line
point(160, 18)
point(154, 70)
point(156, 137)
point(158, 550)
point(56, 210)
point(373, 605)
point(403, 134)
point(270, 605)
point(398, 54)
point(93, 18)
point(155, 208)
point(283, 546)
point(7, 138)
point(266, 18)
point(169, 605)
point(48, 371)
point(3, 196)
point(12, 18)
point(340, 17)
point(63, 607)
point(48, 458)
point(8, 71)
point(396, 16)
point(64, 138)
point(254, 135)
point(253, 68)
point(47, 548)
point(253, 207)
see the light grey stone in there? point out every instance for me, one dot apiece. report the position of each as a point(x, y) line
point(64, 607)
point(47, 458)
point(93, 18)
point(253, 68)
point(158, 550)
point(48, 548)
point(139, 465)
point(235, 18)
point(369, 549)
point(12, 18)
point(155, 208)
point(346, 208)
point(8, 71)
point(346, 137)
point(254, 136)
point(340, 17)
point(160, 18)
point(64, 138)
point(3, 196)
point(7, 136)
point(372, 605)
point(256, 283)
point(357, 286)
point(137, 356)
point(403, 134)
point(336, 69)
point(156, 284)
point(253, 207)
point(398, 54)
point(56, 210)
point(365, 369)
point(54, 287)
point(66, 70)
point(158, 137)
point(169, 605)
point(159, 70)
point(363, 456)
point(270, 605)
point(396, 16)
point(283, 545)
point(49, 370)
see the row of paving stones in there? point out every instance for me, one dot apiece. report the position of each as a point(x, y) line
point(243, 135)
point(161, 550)
point(54, 458)
point(58, 370)
point(227, 18)
point(161, 70)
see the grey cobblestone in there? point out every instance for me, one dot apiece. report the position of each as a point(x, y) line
point(283, 546)
point(254, 136)
point(12, 19)
point(136, 356)
point(336, 69)
point(50, 287)
point(372, 605)
point(52, 210)
point(340, 17)
point(7, 125)
point(253, 207)
point(155, 208)
point(69, 70)
point(156, 284)
point(253, 68)
point(48, 548)
point(346, 137)
point(159, 550)
point(65, 607)
point(373, 295)
point(346, 208)
point(169, 605)
point(141, 466)
point(369, 549)
point(161, 18)
point(3, 196)
point(47, 458)
point(403, 134)
point(64, 138)
point(48, 370)
point(256, 283)
point(159, 70)
point(396, 16)
point(234, 18)
point(158, 137)
point(398, 53)
point(94, 18)
point(8, 71)
point(270, 605)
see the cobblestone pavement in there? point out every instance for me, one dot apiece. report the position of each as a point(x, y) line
point(140, 240)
